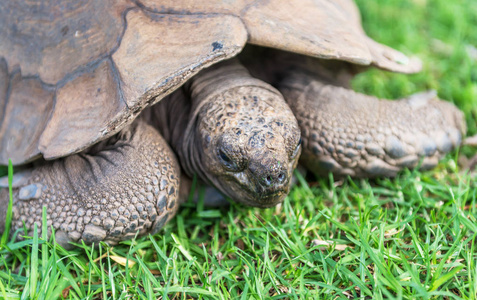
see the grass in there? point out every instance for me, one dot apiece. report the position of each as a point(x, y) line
point(412, 237)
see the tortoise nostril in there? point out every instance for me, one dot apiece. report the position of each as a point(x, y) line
point(268, 180)
point(281, 177)
point(278, 179)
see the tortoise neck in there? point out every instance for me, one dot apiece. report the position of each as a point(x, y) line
point(215, 78)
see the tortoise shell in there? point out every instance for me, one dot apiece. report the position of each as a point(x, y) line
point(73, 73)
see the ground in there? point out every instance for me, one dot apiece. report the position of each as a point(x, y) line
point(412, 237)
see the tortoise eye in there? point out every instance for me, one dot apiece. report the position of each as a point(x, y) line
point(228, 162)
point(224, 157)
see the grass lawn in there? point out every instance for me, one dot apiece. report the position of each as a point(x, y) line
point(412, 237)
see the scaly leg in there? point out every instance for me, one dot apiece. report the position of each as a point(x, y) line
point(123, 185)
point(348, 133)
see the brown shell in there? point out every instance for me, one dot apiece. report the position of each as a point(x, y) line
point(75, 72)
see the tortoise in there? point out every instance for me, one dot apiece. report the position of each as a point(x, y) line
point(99, 97)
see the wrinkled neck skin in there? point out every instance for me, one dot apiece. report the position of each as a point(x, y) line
point(241, 136)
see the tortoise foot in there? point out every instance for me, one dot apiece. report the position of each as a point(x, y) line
point(348, 133)
point(123, 186)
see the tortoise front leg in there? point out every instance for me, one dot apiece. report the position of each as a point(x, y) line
point(124, 185)
point(348, 133)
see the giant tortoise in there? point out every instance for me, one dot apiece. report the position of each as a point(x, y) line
point(98, 98)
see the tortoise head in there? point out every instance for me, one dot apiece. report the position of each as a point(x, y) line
point(247, 144)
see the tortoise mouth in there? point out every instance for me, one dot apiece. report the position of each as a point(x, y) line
point(273, 198)
point(264, 201)
point(252, 194)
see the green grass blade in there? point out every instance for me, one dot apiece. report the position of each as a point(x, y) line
point(34, 263)
point(44, 245)
point(8, 219)
point(443, 278)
